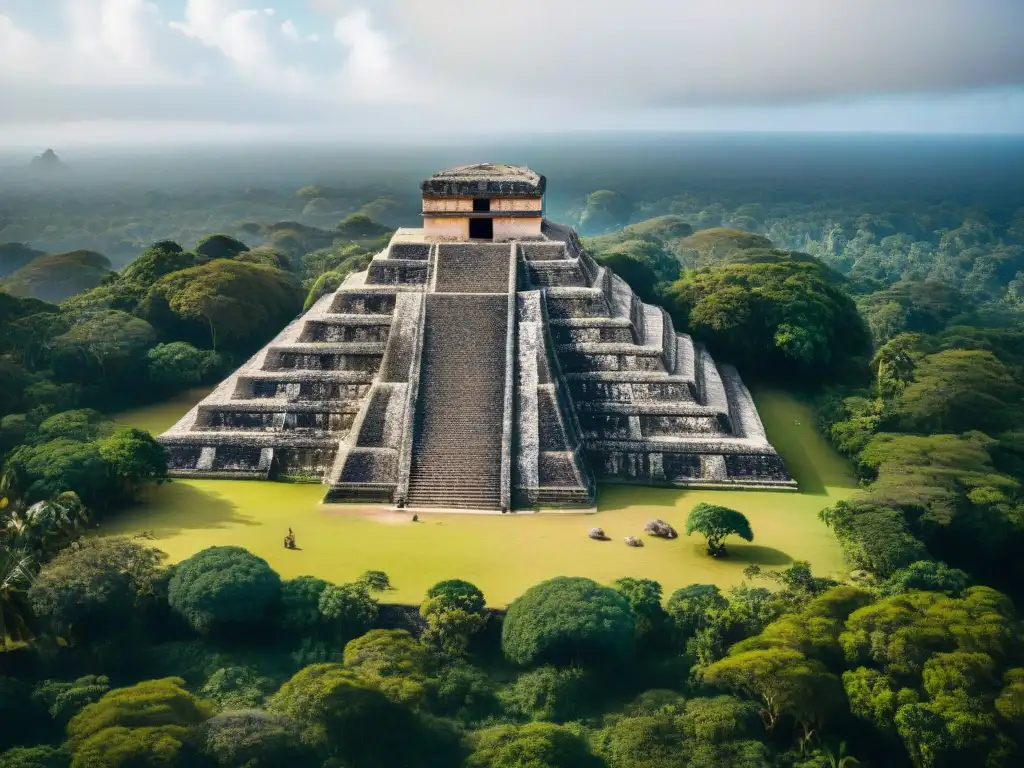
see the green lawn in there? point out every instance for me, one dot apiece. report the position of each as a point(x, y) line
point(503, 554)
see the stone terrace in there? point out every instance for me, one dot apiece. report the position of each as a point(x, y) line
point(484, 376)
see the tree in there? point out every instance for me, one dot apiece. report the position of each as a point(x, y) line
point(16, 618)
point(454, 610)
point(35, 757)
point(349, 608)
point(94, 588)
point(644, 597)
point(300, 606)
point(637, 274)
point(876, 698)
point(548, 693)
point(648, 740)
point(159, 259)
point(103, 347)
point(178, 365)
point(464, 692)
point(895, 363)
point(252, 738)
point(569, 619)
point(715, 523)
point(899, 634)
point(958, 390)
point(149, 704)
point(46, 526)
point(326, 283)
point(927, 575)
point(537, 745)
point(785, 319)
point(120, 747)
point(393, 661)
point(783, 681)
point(375, 581)
point(83, 425)
point(873, 537)
point(220, 247)
point(224, 587)
point(335, 707)
point(236, 688)
point(237, 304)
point(134, 458)
point(65, 699)
point(691, 608)
point(43, 471)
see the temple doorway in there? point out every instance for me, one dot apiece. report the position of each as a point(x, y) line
point(481, 229)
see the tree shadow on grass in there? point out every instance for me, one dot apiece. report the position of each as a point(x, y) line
point(175, 508)
point(754, 554)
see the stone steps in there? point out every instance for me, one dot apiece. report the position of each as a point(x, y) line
point(456, 457)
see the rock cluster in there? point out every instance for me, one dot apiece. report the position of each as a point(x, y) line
point(661, 529)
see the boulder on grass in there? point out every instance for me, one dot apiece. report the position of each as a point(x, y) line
point(597, 534)
point(661, 529)
point(633, 541)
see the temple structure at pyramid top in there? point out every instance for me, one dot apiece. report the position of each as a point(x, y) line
point(484, 361)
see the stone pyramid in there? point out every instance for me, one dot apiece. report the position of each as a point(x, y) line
point(483, 362)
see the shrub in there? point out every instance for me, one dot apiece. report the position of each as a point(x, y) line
point(569, 619)
point(149, 704)
point(547, 693)
point(221, 587)
point(252, 738)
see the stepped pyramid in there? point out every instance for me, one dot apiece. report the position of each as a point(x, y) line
point(483, 362)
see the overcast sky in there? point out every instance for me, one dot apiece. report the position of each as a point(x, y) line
point(162, 71)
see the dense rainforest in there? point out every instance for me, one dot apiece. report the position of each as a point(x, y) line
point(900, 317)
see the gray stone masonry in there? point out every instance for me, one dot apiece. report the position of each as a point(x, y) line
point(480, 376)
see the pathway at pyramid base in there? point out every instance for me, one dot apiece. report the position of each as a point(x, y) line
point(503, 554)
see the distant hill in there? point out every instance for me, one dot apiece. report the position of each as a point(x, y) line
point(48, 162)
point(58, 276)
point(14, 256)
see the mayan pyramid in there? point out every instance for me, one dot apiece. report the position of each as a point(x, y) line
point(483, 362)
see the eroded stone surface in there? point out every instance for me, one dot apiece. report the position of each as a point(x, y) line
point(481, 376)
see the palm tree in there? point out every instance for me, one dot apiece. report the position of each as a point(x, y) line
point(16, 573)
point(839, 758)
point(46, 525)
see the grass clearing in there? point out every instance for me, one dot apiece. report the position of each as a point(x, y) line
point(502, 554)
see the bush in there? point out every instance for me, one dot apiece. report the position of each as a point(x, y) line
point(464, 692)
point(236, 688)
point(222, 587)
point(252, 738)
point(537, 745)
point(35, 757)
point(93, 588)
point(120, 747)
point(349, 609)
point(569, 619)
point(375, 581)
point(547, 693)
point(335, 707)
point(178, 365)
point(300, 605)
point(149, 704)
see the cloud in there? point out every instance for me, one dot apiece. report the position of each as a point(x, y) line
point(112, 42)
point(542, 64)
point(697, 52)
